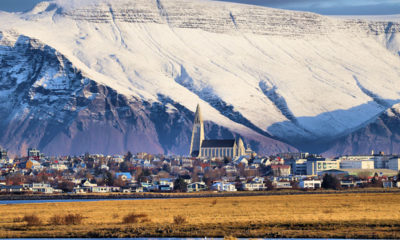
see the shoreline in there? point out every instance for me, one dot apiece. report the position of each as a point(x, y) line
point(155, 195)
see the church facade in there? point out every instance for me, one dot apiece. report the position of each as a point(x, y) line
point(213, 148)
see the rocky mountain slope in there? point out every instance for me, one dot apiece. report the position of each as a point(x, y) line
point(47, 103)
point(111, 76)
point(383, 134)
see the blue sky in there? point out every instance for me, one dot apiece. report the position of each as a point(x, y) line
point(333, 7)
point(329, 7)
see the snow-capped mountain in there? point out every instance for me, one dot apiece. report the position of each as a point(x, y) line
point(110, 76)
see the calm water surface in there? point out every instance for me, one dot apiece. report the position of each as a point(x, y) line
point(65, 200)
point(180, 238)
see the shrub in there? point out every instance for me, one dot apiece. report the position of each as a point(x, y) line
point(32, 220)
point(57, 220)
point(73, 219)
point(69, 219)
point(178, 220)
point(135, 218)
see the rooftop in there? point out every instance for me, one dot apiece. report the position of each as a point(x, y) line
point(218, 143)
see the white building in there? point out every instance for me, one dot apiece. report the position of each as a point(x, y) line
point(166, 184)
point(355, 164)
point(256, 184)
point(281, 184)
point(39, 187)
point(380, 160)
point(224, 187)
point(310, 183)
point(58, 167)
point(315, 167)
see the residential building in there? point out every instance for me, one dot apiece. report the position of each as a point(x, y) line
point(58, 166)
point(310, 183)
point(196, 187)
point(39, 187)
point(32, 164)
point(166, 184)
point(186, 162)
point(282, 184)
point(104, 189)
point(33, 154)
point(280, 170)
point(255, 184)
point(124, 176)
point(224, 187)
point(117, 158)
point(3, 154)
point(12, 188)
point(351, 183)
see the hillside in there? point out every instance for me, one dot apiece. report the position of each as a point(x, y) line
point(111, 76)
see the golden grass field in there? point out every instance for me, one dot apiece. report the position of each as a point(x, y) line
point(353, 215)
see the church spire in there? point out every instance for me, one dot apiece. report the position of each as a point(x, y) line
point(197, 116)
point(197, 134)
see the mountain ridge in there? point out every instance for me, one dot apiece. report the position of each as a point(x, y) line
point(259, 72)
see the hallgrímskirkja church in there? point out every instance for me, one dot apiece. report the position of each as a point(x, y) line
point(199, 147)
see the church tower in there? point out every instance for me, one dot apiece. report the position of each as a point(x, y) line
point(197, 134)
point(240, 148)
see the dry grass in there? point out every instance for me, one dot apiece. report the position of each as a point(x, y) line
point(341, 216)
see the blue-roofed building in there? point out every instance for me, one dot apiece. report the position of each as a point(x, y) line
point(125, 176)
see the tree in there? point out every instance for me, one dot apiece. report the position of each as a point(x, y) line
point(180, 185)
point(123, 167)
point(238, 184)
point(66, 186)
point(330, 182)
point(166, 168)
point(143, 175)
point(109, 179)
point(227, 160)
point(128, 156)
point(269, 185)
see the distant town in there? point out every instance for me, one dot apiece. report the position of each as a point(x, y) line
point(216, 165)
